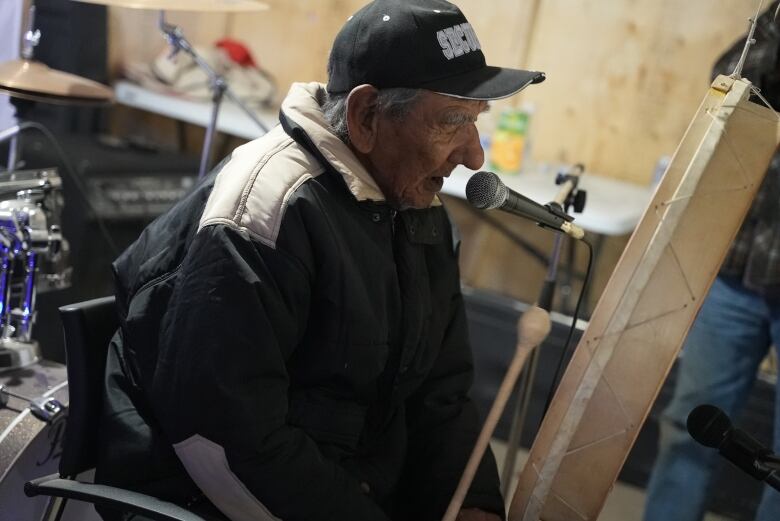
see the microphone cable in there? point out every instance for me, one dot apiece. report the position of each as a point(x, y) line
point(570, 336)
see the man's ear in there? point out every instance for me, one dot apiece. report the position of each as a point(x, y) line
point(362, 117)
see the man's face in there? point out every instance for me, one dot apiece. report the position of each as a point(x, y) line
point(413, 155)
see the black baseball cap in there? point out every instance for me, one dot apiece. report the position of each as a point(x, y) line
point(425, 44)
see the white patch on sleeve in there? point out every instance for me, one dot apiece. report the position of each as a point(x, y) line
point(207, 465)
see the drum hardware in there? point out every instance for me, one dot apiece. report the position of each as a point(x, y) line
point(33, 252)
point(44, 408)
point(31, 80)
point(27, 80)
point(33, 255)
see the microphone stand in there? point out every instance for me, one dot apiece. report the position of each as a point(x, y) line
point(217, 83)
point(766, 467)
point(568, 197)
point(770, 460)
point(770, 464)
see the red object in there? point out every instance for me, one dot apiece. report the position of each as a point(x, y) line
point(238, 52)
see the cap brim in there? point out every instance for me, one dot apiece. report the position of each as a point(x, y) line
point(488, 83)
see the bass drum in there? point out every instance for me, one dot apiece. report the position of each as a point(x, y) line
point(30, 447)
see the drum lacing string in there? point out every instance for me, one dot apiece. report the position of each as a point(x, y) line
point(749, 42)
point(755, 90)
point(737, 74)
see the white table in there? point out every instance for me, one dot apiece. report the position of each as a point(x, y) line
point(232, 120)
point(613, 207)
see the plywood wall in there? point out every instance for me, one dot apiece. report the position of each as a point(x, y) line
point(293, 39)
point(624, 76)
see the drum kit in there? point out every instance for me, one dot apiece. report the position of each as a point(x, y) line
point(34, 258)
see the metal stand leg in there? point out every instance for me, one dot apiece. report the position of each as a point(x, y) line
point(567, 198)
point(54, 509)
point(519, 413)
point(525, 388)
point(205, 155)
point(13, 153)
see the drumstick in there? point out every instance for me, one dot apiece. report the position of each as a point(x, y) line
point(532, 329)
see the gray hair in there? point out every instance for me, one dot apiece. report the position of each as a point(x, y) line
point(396, 103)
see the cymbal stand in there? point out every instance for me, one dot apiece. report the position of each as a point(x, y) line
point(13, 149)
point(217, 83)
point(12, 134)
point(569, 196)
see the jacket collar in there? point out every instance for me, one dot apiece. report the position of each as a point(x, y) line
point(302, 106)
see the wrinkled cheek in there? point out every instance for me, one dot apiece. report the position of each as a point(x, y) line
point(419, 195)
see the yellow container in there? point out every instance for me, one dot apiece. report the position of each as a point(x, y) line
point(510, 141)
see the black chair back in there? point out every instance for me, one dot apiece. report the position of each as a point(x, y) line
point(88, 328)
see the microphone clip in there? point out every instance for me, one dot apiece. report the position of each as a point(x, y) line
point(570, 197)
point(556, 209)
point(768, 461)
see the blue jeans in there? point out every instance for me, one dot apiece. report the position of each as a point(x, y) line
point(724, 348)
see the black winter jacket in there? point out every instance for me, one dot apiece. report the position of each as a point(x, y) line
point(292, 345)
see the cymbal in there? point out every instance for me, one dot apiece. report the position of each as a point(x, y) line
point(186, 5)
point(37, 82)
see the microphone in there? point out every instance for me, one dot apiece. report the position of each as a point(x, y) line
point(711, 427)
point(486, 191)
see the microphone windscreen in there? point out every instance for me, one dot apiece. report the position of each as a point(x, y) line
point(485, 191)
point(708, 425)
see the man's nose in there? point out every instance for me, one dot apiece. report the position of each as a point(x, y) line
point(469, 153)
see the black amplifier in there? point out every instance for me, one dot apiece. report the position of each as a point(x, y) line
point(117, 197)
point(121, 180)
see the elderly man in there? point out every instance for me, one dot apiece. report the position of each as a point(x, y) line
point(293, 342)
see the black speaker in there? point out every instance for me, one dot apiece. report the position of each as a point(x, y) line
point(74, 39)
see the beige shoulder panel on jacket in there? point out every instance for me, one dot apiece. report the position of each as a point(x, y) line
point(252, 190)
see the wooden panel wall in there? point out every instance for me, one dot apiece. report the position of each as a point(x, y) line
point(624, 76)
point(293, 39)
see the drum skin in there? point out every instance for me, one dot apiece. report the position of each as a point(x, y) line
point(30, 447)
